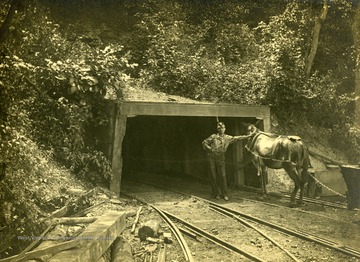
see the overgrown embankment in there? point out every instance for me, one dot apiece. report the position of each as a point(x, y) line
point(60, 61)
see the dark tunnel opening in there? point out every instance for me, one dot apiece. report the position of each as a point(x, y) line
point(171, 146)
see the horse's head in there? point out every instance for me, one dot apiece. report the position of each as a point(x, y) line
point(252, 129)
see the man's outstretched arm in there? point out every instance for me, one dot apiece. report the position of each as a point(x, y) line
point(242, 137)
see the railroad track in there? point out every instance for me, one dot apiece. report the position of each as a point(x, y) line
point(177, 233)
point(314, 201)
point(254, 223)
point(276, 195)
point(305, 199)
point(195, 231)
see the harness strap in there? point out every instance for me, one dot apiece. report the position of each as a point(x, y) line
point(251, 146)
point(275, 147)
point(268, 158)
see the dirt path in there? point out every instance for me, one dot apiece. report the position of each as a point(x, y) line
point(340, 226)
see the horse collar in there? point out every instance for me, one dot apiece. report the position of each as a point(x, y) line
point(252, 141)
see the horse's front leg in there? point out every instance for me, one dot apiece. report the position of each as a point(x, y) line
point(261, 172)
point(263, 179)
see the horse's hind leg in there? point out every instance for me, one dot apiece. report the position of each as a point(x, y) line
point(293, 175)
point(303, 181)
point(293, 195)
point(302, 186)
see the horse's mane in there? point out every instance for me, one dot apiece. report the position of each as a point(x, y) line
point(255, 130)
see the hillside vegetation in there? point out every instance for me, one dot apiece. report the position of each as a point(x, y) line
point(62, 60)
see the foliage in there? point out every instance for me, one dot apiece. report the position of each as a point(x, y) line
point(217, 53)
point(61, 86)
point(53, 91)
point(55, 79)
point(19, 215)
point(347, 139)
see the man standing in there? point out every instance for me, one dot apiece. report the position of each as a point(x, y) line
point(216, 146)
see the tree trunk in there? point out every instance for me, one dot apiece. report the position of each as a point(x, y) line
point(356, 37)
point(14, 4)
point(315, 40)
point(121, 251)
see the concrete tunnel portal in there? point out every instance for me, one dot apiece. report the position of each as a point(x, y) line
point(165, 138)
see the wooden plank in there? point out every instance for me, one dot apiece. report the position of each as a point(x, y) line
point(325, 158)
point(136, 220)
point(117, 161)
point(33, 244)
point(86, 210)
point(185, 109)
point(44, 251)
point(96, 239)
point(61, 212)
point(74, 220)
point(162, 255)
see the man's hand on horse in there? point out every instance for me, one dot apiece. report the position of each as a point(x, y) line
point(243, 137)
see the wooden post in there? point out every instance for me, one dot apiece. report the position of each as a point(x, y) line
point(117, 161)
point(265, 125)
point(266, 122)
point(239, 175)
point(112, 112)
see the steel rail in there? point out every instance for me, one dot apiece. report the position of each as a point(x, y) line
point(215, 239)
point(231, 215)
point(314, 201)
point(177, 234)
point(305, 199)
point(199, 231)
point(303, 235)
point(173, 228)
point(325, 203)
point(297, 233)
point(295, 209)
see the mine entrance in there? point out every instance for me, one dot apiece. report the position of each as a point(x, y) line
point(166, 138)
point(171, 145)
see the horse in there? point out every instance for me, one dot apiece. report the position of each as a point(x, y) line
point(273, 151)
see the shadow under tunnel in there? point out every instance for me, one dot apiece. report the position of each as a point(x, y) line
point(171, 146)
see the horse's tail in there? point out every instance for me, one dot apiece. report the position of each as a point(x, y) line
point(306, 164)
point(307, 156)
point(304, 157)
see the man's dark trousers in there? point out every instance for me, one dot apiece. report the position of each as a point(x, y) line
point(218, 175)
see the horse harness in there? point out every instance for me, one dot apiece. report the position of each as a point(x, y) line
point(280, 143)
